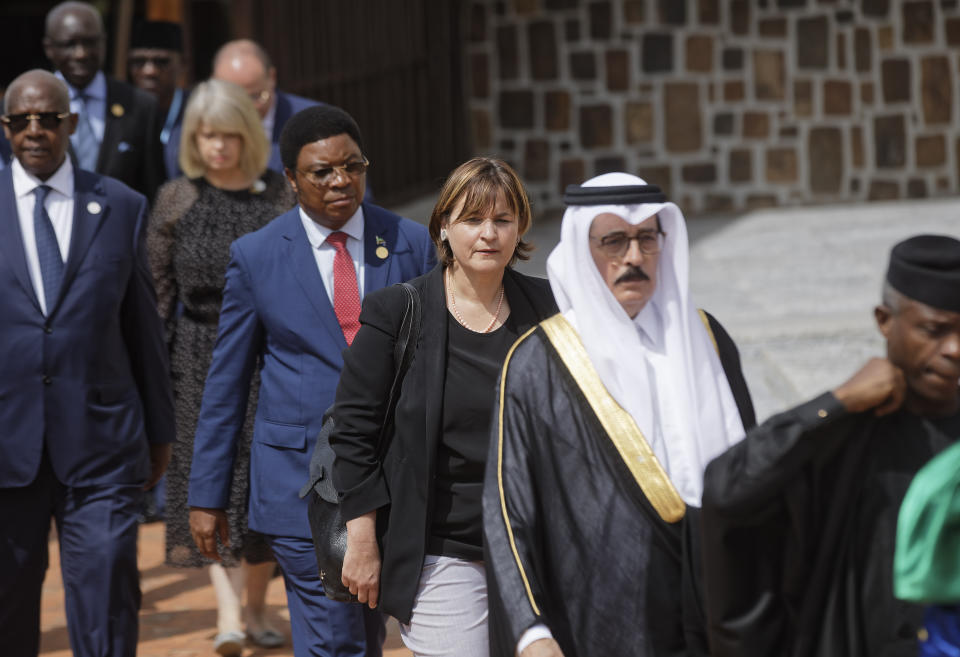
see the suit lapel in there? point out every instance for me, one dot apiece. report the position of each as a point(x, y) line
point(111, 123)
point(11, 239)
point(304, 264)
point(376, 234)
point(90, 208)
point(433, 339)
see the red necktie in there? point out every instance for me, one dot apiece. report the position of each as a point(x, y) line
point(346, 294)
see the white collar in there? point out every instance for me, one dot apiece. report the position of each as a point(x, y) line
point(61, 181)
point(318, 234)
point(649, 324)
point(97, 89)
point(270, 119)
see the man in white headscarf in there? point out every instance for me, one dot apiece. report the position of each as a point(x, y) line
point(607, 416)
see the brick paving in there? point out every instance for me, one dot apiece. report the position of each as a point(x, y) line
point(178, 615)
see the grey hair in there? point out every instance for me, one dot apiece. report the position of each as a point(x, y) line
point(892, 298)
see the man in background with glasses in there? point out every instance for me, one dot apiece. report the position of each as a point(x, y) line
point(117, 131)
point(85, 400)
point(608, 414)
point(155, 65)
point(246, 63)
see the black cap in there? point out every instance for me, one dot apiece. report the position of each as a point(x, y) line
point(158, 34)
point(613, 195)
point(926, 268)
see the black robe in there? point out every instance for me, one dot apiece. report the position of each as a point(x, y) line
point(799, 527)
point(585, 553)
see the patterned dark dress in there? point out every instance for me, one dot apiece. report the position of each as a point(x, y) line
point(191, 228)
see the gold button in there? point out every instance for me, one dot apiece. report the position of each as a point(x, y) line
point(822, 413)
point(922, 634)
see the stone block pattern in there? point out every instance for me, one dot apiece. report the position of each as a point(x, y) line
point(727, 104)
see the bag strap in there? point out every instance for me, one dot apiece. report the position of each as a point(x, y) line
point(404, 349)
point(617, 423)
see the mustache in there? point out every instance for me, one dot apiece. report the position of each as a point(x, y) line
point(634, 273)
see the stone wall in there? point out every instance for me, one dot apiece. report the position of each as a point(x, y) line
point(728, 104)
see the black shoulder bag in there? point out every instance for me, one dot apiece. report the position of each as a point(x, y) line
point(326, 523)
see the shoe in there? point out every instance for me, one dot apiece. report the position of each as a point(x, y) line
point(266, 638)
point(229, 644)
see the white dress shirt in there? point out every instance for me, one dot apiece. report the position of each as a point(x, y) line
point(96, 109)
point(324, 253)
point(59, 205)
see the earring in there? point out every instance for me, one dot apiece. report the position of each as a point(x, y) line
point(443, 234)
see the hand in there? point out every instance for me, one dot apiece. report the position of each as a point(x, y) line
point(159, 460)
point(205, 526)
point(879, 385)
point(543, 648)
point(361, 563)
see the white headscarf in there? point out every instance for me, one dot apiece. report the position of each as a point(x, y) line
point(675, 388)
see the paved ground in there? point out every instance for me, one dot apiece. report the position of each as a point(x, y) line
point(795, 287)
point(178, 617)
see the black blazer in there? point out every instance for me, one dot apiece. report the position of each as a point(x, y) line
point(401, 488)
point(131, 150)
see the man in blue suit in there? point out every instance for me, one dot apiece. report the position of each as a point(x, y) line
point(86, 408)
point(291, 306)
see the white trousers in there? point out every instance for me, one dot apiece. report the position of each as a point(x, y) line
point(450, 611)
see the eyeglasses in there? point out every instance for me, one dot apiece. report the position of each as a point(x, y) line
point(87, 43)
point(616, 244)
point(47, 120)
point(159, 61)
point(327, 175)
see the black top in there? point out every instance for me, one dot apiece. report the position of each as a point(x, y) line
point(401, 486)
point(473, 369)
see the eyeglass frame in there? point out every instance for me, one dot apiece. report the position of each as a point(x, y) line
point(158, 61)
point(29, 117)
point(88, 43)
point(659, 233)
point(334, 169)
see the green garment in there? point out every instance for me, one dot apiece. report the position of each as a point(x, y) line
point(926, 565)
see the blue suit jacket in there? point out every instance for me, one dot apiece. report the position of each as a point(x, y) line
point(90, 379)
point(287, 106)
point(276, 315)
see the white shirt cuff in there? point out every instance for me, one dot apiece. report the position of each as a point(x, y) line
point(533, 633)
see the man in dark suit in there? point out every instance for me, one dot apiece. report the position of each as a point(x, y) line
point(245, 63)
point(291, 305)
point(85, 400)
point(117, 133)
point(155, 65)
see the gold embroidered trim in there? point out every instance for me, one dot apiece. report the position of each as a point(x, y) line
point(503, 499)
point(619, 425)
point(706, 325)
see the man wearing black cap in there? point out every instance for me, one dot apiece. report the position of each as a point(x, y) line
point(155, 65)
point(799, 519)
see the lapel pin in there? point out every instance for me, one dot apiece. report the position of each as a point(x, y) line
point(93, 207)
point(117, 110)
point(381, 251)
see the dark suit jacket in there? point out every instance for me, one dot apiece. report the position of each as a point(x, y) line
point(90, 380)
point(276, 315)
point(5, 152)
point(403, 482)
point(287, 106)
point(131, 150)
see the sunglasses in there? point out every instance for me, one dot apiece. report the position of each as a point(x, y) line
point(47, 120)
point(159, 61)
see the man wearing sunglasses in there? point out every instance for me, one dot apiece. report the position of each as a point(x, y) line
point(117, 128)
point(607, 415)
point(85, 399)
point(155, 65)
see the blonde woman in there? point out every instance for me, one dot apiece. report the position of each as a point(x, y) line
point(227, 192)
